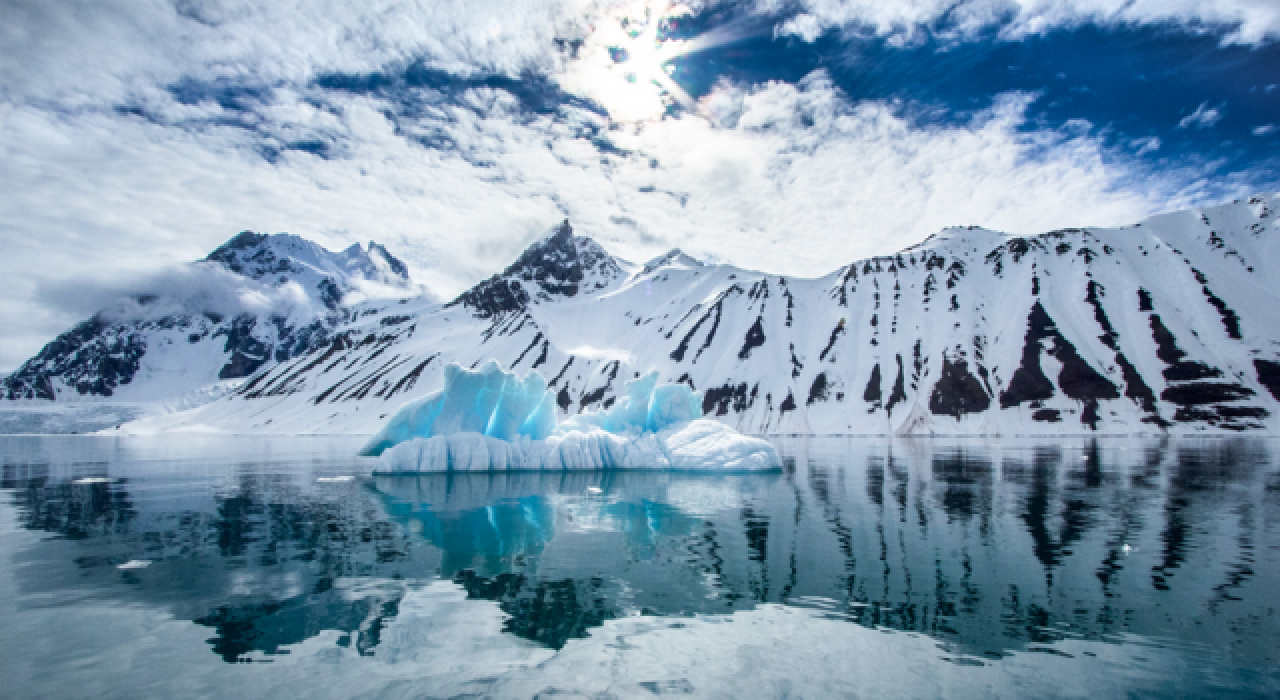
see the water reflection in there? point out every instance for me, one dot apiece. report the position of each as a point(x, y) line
point(265, 558)
point(989, 548)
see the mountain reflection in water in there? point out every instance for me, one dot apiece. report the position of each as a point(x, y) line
point(990, 548)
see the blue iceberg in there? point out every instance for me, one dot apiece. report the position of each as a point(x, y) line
point(488, 419)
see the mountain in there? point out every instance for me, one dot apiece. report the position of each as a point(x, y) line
point(1170, 325)
point(557, 267)
point(282, 258)
point(257, 299)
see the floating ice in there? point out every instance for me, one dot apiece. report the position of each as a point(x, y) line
point(134, 564)
point(488, 419)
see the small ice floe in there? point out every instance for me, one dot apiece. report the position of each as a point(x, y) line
point(134, 564)
point(593, 490)
point(93, 480)
point(334, 479)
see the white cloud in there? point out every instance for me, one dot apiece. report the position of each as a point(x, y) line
point(1146, 145)
point(794, 179)
point(82, 52)
point(804, 25)
point(1265, 129)
point(1251, 21)
point(177, 289)
point(1203, 118)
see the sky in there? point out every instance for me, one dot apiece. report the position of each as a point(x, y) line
point(789, 136)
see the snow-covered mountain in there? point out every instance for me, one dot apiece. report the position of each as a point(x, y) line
point(256, 300)
point(1171, 325)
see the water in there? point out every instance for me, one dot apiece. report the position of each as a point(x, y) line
point(239, 567)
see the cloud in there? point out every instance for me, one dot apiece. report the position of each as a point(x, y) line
point(804, 25)
point(1265, 129)
point(180, 289)
point(1203, 118)
point(1247, 21)
point(136, 136)
point(1149, 144)
point(81, 52)
point(793, 178)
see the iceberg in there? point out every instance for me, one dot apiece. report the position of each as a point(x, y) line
point(491, 420)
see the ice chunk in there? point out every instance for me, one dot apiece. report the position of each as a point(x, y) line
point(487, 401)
point(671, 405)
point(699, 444)
point(516, 405)
point(488, 419)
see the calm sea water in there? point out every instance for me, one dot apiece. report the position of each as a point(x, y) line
point(238, 567)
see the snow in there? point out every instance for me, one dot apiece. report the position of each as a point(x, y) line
point(862, 350)
point(490, 419)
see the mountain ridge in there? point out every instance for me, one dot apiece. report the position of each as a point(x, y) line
point(1167, 326)
point(296, 292)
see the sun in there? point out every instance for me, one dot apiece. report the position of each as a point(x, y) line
point(627, 62)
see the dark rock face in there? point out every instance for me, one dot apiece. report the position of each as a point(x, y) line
point(494, 296)
point(247, 352)
point(554, 266)
point(94, 358)
point(1028, 382)
point(1198, 390)
point(957, 392)
point(330, 294)
point(818, 390)
point(1230, 320)
point(719, 400)
point(1047, 415)
point(831, 342)
point(1077, 379)
point(1134, 386)
point(246, 255)
point(754, 339)
point(788, 404)
point(1178, 370)
point(1269, 376)
point(899, 393)
point(558, 266)
point(713, 314)
point(872, 393)
point(229, 253)
point(397, 266)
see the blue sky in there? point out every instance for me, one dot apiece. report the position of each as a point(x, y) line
point(785, 136)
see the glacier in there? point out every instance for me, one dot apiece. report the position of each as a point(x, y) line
point(489, 419)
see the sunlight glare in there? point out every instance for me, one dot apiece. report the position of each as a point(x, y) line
point(626, 66)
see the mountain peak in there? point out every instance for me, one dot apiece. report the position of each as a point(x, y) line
point(672, 258)
point(281, 258)
point(559, 264)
